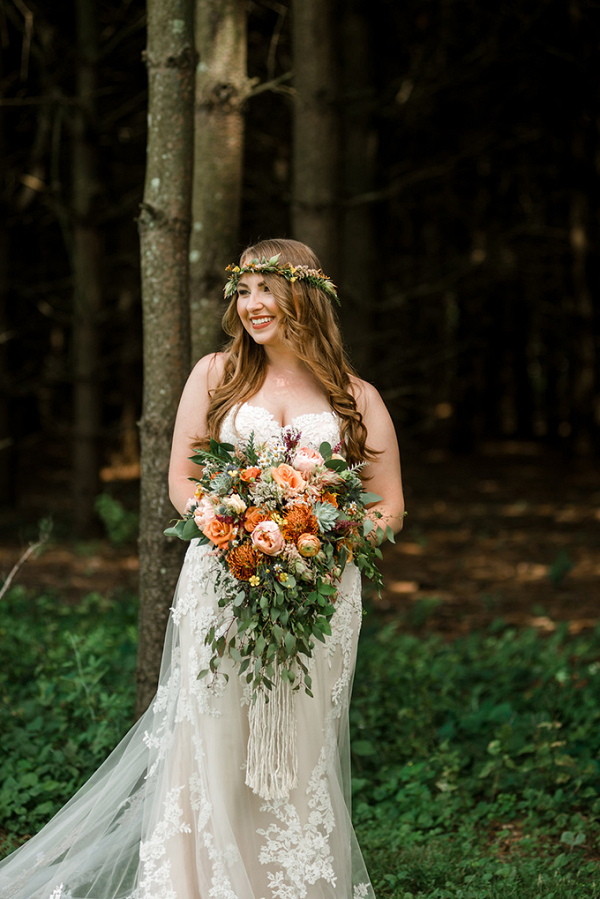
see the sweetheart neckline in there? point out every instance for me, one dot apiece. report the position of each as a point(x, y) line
point(274, 419)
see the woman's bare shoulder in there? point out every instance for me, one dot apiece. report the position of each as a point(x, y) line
point(365, 394)
point(208, 371)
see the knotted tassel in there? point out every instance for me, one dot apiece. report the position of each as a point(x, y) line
point(272, 761)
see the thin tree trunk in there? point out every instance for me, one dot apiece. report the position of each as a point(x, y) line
point(583, 349)
point(86, 263)
point(315, 216)
point(221, 90)
point(358, 281)
point(7, 481)
point(164, 225)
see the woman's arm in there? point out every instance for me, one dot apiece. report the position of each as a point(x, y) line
point(190, 426)
point(382, 474)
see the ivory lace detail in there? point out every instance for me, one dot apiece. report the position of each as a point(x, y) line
point(168, 815)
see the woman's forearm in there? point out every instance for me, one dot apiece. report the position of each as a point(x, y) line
point(180, 490)
point(383, 516)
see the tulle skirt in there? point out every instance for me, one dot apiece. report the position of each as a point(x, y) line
point(169, 815)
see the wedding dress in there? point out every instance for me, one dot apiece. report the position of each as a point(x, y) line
point(168, 814)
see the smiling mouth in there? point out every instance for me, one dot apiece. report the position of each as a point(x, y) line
point(262, 322)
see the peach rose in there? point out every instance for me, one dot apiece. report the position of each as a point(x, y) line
point(254, 516)
point(267, 537)
point(307, 459)
point(219, 532)
point(288, 478)
point(204, 513)
point(308, 545)
point(250, 474)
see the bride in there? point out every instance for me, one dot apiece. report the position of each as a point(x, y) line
point(169, 815)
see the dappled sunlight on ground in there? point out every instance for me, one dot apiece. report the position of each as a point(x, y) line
point(495, 537)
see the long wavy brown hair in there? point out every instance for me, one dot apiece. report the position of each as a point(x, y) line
point(310, 329)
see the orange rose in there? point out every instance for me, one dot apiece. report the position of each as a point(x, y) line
point(254, 516)
point(249, 474)
point(288, 478)
point(219, 532)
point(330, 498)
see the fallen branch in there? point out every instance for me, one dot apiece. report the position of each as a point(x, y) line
point(45, 530)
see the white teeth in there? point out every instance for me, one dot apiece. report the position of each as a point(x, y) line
point(261, 321)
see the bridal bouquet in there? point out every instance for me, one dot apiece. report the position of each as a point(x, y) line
point(283, 522)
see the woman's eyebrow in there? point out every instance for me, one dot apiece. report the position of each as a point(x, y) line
point(243, 284)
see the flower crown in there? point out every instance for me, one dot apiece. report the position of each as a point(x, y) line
point(314, 277)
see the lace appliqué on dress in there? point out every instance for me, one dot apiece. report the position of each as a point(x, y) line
point(314, 427)
point(171, 816)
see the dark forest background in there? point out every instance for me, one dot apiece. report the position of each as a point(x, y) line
point(468, 171)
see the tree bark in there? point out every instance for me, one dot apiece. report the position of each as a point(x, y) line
point(358, 279)
point(7, 481)
point(583, 349)
point(164, 226)
point(315, 213)
point(87, 280)
point(222, 87)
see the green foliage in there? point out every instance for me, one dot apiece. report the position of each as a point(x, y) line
point(455, 742)
point(121, 524)
point(404, 865)
point(66, 698)
point(475, 761)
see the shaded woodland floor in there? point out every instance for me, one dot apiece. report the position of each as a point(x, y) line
point(508, 533)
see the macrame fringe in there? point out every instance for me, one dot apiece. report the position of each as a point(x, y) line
point(272, 761)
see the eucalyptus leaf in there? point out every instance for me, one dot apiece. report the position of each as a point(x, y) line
point(367, 497)
point(336, 464)
point(191, 530)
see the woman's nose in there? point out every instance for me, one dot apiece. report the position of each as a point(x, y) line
point(255, 301)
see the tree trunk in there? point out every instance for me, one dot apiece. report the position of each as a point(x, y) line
point(86, 264)
point(315, 216)
point(358, 280)
point(164, 225)
point(221, 90)
point(7, 481)
point(583, 349)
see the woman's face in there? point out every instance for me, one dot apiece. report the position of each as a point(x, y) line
point(258, 310)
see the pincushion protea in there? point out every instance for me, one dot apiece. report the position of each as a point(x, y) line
point(243, 561)
point(297, 521)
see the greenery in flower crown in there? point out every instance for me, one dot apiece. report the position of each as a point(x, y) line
point(314, 277)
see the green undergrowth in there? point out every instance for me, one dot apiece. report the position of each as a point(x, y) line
point(476, 763)
point(476, 768)
point(66, 698)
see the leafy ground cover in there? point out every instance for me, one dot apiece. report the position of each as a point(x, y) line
point(66, 698)
point(476, 763)
point(475, 759)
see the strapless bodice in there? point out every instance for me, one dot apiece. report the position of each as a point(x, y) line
point(314, 427)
